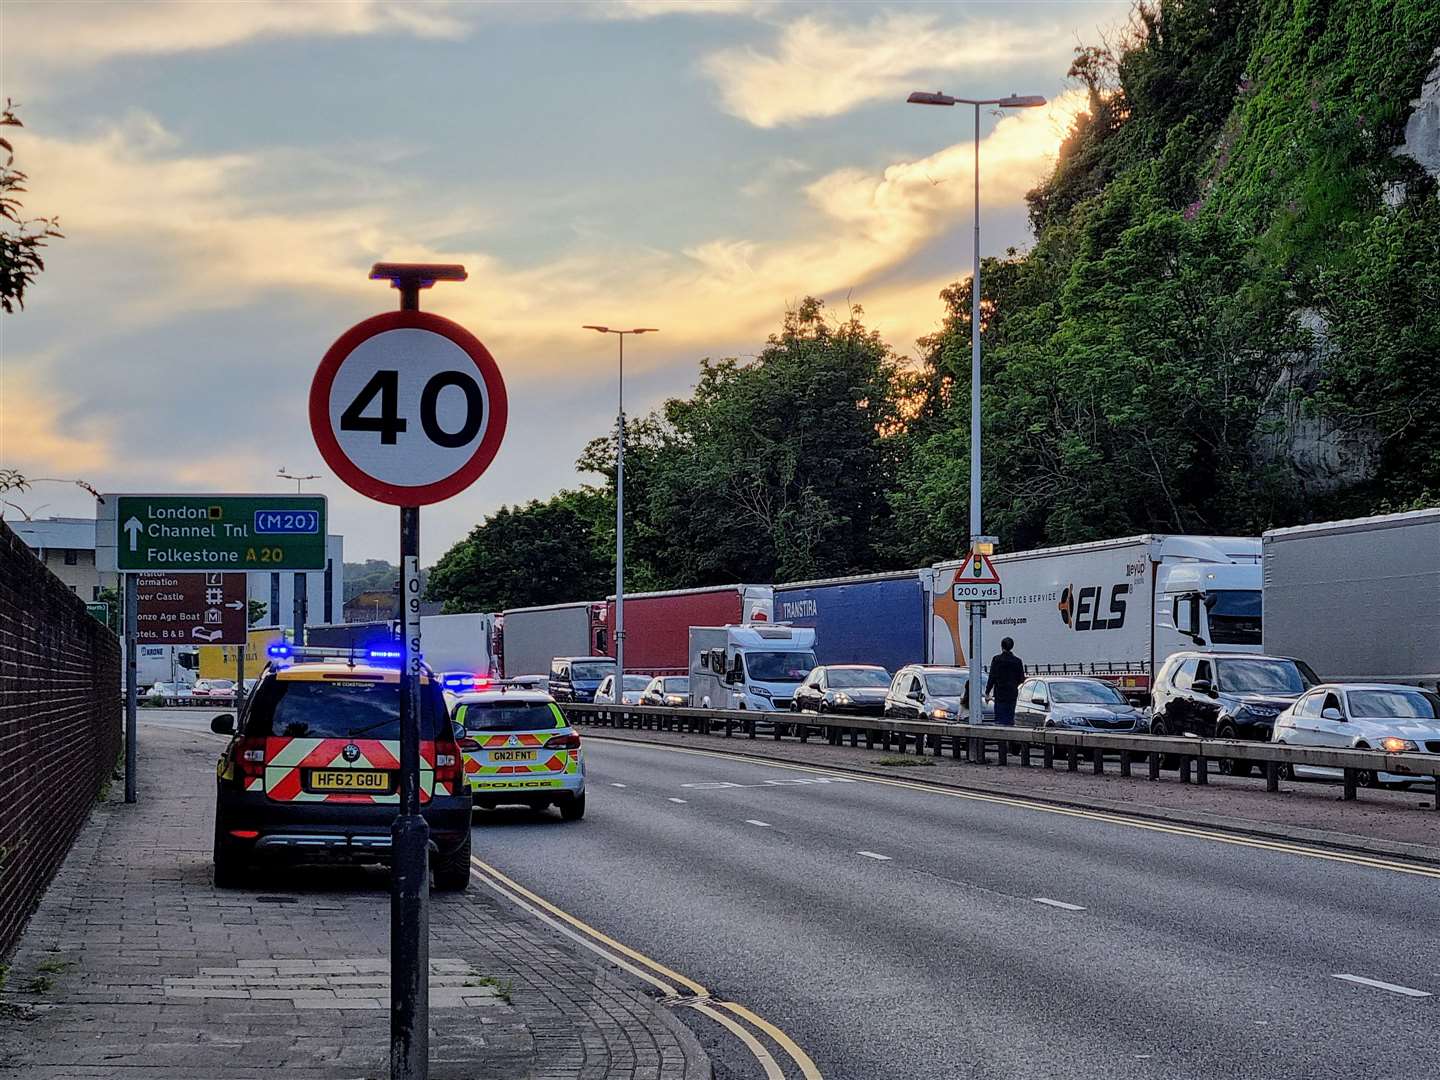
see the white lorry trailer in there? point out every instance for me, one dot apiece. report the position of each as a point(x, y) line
point(459, 643)
point(531, 637)
point(752, 666)
point(1359, 600)
point(1113, 608)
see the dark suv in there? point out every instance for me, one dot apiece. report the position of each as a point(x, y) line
point(576, 678)
point(312, 771)
point(1226, 696)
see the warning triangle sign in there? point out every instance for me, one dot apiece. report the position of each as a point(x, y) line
point(978, 570)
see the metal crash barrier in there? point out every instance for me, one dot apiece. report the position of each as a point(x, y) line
point(974, 742)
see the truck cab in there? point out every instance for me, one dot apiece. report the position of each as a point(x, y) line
point(1208, 605)
point(754, 666)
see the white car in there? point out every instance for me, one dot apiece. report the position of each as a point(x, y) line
point(634, 688)
point(671, 690)
point(1373, 716)
point(162, 690)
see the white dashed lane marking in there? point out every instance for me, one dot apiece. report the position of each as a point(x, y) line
point(1058, 904)
point(757, 824)
point(1407, 991)
point(619, 785)
point(874, 855)
point(673, 799)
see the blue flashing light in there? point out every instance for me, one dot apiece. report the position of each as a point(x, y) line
point(381, 654)
point(279, 651)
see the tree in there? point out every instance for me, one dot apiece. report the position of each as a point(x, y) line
point(257, 611)
point(539, 553)
point(772, 470)
point(21, 238)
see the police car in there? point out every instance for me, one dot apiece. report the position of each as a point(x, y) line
point(312, 768)
point(518, 748)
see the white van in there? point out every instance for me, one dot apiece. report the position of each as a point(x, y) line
point(753, 666)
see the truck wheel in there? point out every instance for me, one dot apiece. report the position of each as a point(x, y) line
point(452, 869)
point(1232, 766)
point(573, 808)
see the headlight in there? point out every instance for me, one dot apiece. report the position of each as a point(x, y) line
point(1392, 745)
point(942, 714)
point(1253, 712)
point(841, 698)
point(1074, 721)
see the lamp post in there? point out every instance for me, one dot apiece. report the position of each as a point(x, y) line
point(922, 97)
point(298, 479)
point(618, 631)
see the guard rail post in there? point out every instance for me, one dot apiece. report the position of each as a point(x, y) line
point(1272, 776)
point(1185, 764)
point(1072, 758)
point(1352, 780)
point(1154, 768)
point(1025, 754)
point(1202, 769)
point(1047, 756)
point(1004, 751)
point(1125, 763)
point(1097, 758)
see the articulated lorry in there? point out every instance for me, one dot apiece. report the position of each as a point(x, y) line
point(531, 637)
point(870, 619)
point(757, 666)
point(1359, 600)
point(1114, 609)
point(657, 624)
point(459, 643)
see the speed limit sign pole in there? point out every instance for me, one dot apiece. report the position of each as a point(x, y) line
point(409, 408)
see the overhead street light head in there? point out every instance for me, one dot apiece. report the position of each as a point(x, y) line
point(601, 329)
point(927, 97)
point(1020, 101)
point(644, 330)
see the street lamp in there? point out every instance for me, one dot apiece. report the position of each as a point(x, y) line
point(618, 631)
point(291, 476)
point(923, 97)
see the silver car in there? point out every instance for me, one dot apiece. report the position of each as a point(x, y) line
point(1374, 716)
point(630, 694)
point(1076, 703)
point(929, 692)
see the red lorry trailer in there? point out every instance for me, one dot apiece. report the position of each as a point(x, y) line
point(657, 625)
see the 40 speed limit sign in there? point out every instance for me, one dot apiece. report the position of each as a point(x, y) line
point(408, 408)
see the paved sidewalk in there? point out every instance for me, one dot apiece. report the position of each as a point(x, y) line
point(136, 966)
point(1395, 823)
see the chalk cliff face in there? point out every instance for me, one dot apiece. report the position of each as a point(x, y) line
point(1422, 130)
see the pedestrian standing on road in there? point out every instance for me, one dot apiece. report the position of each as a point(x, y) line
point(1007, 672)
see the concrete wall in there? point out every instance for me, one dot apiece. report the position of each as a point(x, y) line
point(60, 725)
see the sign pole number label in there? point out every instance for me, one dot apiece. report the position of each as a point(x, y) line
point(408, 408)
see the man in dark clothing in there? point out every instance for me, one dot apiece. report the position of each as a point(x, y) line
point(1007, 672)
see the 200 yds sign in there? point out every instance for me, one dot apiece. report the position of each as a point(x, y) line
point(408, 408)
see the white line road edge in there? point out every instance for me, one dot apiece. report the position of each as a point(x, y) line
point(874, 855)
point(1057, 904)
point(1378, 985)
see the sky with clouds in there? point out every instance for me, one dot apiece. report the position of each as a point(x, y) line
point(225, 174)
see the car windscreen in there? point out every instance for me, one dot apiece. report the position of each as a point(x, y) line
point(336, 709)
point(678, 684)
point(636, 682)
point(581, 671)
point(222, 684)
point(509, 716)
point(1234, 616)
point(779, 666)
point(1081, 692)
point(947, 685)
point(1263, 677)
point(1394, 704)
point(856, 678)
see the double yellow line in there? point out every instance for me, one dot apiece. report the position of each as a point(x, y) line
point(679, 990)
point(1373, 862)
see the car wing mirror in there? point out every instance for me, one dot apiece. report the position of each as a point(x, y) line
point(224, 724)
point(1332, 713)
point(1038, 700)
point(1203, 686)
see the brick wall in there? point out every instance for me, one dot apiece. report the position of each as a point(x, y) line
point(60, 725)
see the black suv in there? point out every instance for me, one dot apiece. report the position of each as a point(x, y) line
point(855, 689)
point(1214, 695)
point(311, 772)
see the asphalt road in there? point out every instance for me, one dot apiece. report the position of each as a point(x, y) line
point(899, 934)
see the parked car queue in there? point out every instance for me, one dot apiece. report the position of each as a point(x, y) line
point(1197, 693)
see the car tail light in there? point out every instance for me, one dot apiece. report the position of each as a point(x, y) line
point(564, 742)
point(448, 768)
point(250, 759)
point(245, 834)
